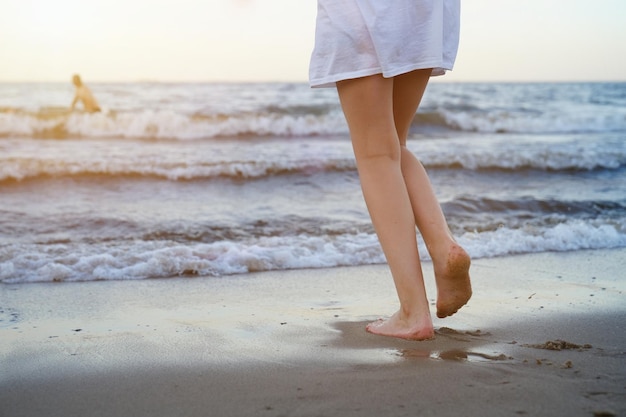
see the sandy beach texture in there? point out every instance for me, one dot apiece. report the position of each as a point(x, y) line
point(544, 335)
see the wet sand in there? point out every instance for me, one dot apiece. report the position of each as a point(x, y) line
point(543, 335)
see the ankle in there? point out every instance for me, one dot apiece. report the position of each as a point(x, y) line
point(440, 251)
point(412, 314)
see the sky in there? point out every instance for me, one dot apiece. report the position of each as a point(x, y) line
point(271, 40)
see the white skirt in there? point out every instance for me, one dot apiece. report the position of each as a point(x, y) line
point(357, 38)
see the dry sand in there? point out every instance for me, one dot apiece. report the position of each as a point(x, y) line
point(292, 343)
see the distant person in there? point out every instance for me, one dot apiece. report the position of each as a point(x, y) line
point(380, 55)
point(84, 94)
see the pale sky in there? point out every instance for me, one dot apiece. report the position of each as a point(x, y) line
point(271, 40)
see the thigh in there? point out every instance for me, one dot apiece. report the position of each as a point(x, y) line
point(367, 104)
point(408, 90)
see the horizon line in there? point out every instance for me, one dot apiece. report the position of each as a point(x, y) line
point(302, 81)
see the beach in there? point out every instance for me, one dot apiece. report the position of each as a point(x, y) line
point(543, 335)
point(203, 249)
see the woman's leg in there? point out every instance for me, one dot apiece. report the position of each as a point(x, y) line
point(450, 262)
point(368, 106)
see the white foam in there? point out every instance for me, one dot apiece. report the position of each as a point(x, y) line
point(562, 121)
point(196, 111)
point(512, 153)
point(141, 260)
point(570, 236)
point(31, 159)
point(167, 124)
point(172, 124)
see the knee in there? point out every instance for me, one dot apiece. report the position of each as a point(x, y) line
point(407, 156)
point(378, 149)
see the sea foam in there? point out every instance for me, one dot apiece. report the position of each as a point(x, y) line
point(164, 259)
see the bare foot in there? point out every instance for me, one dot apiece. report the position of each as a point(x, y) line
point(454, 288)
point(421, 329)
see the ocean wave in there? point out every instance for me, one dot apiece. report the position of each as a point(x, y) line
point(487, 214)
point(517, 153)
point(32, 169)
point(294, 121)
point(141, 260)
point(167, 124)
point(564, 237)
point(521, 121)
point(239, 170)
point(25, 158)
point(22, 263)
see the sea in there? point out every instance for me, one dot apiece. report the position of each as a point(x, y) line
point(216, 179)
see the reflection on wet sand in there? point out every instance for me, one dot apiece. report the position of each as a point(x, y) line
point(450, 355)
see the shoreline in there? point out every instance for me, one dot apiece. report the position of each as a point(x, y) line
point(293, 343)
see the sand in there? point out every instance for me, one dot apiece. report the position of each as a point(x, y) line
point(292, 343)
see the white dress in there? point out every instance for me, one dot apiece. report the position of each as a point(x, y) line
point(357, 38)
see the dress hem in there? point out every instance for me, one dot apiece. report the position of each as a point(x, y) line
point(331, 81)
